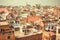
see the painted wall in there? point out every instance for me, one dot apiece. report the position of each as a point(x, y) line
point(32, 2)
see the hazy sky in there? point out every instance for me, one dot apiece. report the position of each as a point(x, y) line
point(32, 2)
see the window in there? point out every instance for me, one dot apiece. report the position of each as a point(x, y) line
point(58, 30)
point(8, 37)
point(1, 18)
